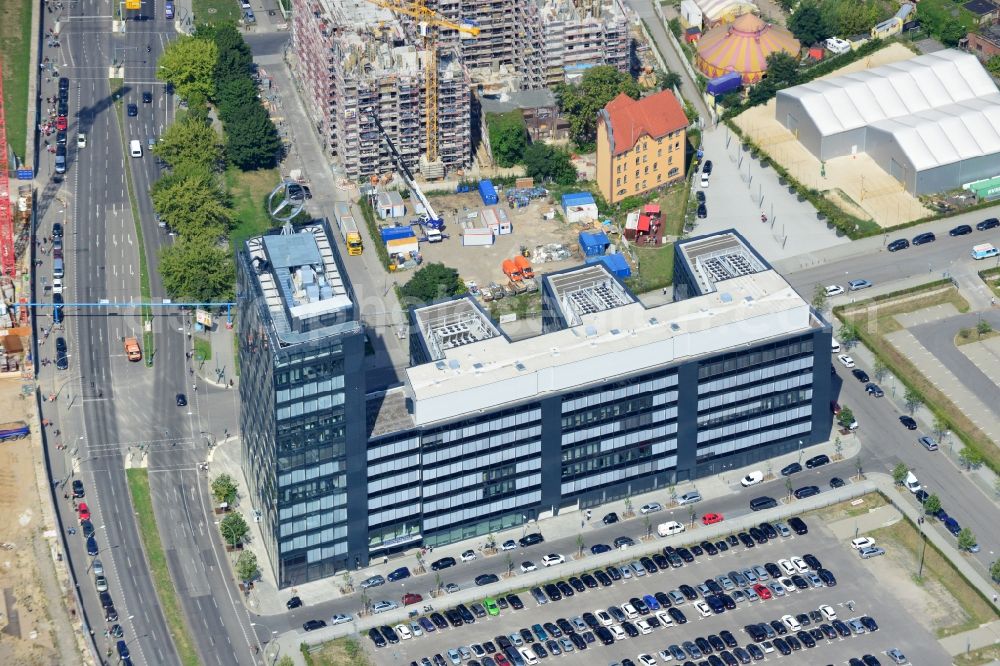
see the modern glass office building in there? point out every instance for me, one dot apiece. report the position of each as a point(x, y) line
point(611, 400)
point(301, 346)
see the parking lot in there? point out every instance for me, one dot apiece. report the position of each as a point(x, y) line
point(857, 593)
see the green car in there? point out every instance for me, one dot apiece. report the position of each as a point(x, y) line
point(491, 606)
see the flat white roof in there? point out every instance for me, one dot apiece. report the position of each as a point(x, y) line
point(606, 344)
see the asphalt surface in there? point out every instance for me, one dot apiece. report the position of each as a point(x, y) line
point(856, 583)
point(938, 337)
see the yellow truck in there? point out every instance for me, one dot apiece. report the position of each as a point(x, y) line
point(348, 228)
point(132, 349)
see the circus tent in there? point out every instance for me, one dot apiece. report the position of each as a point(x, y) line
point(743, 46)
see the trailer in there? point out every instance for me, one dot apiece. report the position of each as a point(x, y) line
point(724, 84)
point(488, 192)
point(475, 233)
point(14, 430)
point(348, 228)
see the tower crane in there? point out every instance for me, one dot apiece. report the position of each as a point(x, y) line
point(429, 21)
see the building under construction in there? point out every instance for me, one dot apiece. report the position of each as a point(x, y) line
point(354, 60)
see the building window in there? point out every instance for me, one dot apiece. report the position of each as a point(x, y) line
point(618, 181)
point(659, 152)
point(637, 160)
point(619, 168)
point(673, 172)
point(659, 177)
point(670, 160)
point(646, 170)
point(636, 173)
point(644, 157)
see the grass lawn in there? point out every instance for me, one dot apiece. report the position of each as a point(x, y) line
point(215, 11)
point(656, 268)
point(15, 49)
point(138, 485)
point(987, 655)
point(202, 349)
point(345, 651)
point(249, 190)
point(977, 610)
point(991, 277)
point(873, 324)
point(942, 8)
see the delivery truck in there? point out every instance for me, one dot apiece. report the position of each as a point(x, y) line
point(132, 349)
point(348, 229)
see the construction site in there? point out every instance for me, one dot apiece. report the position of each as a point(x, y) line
point(416, 66)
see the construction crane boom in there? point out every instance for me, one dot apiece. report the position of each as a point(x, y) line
point(432, 221)
point(430, 20)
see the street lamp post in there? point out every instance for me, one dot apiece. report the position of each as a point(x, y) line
point(268, 643)
point(800, 451)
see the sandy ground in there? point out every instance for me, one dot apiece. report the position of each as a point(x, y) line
point(854, 182)
point(27, 634)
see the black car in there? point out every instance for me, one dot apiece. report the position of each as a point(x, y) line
point(63, 83)
point(487, 579)
point(768, 530)
point(842, 629)
point(689, 592)
point(133, 110)
point(758, 535)
point(702, 211)
point(828, 631)
point(806, 491)
point(721, 545)
point(599, 548)
point(685, 555)
point(746, 539)
point(604, 636)
point(898, 244)
point(577, 584)
point(603, 578)
point(728, 638)
point(908, 422)
point(105, 598)
point(663, 599)
point(703, 645)
point(294, 602)
point(677, 615)
point(62, 107)
point(57, 230)
point(700, 196)
point(443, 563)
point(57, 310)
point(624, 542)
point(564, 588)
point(610, 519)
point(78, 491)
point(781, 646)
point(552, 592)
point(989, 223)
point(827, 577)
point(147, 98)
point(800, 583)
point(874, 390)
point(439, 621)
point(390, 634)
point(181, 400)
point(648, 565)
point(926, 237)
point(960, 230)
point(697, 551)
point(707, 167)
point(788, 470)
point(530, 539)
point(373, 634)
point(812, 562)
point(399, 574)
point(861, 375)
point(111, 615)
point(660, 561)
point(614, 572)
point(869, 623)
point(837, 482)
point(527, 636)
point(588, 580)
point(313, 625)
point(709, 548)
point(798, 525)
point(60, 138)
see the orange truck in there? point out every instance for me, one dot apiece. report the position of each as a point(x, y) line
point(132, 349)
point(524, 266)
point(511, 270)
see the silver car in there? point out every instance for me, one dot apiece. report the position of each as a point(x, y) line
point(638, 569)
point(374, 581)
point(782, 530)
point(676, 597)
point(652, 507)
point(870, 551)
point(689, 497)
point(761, 572)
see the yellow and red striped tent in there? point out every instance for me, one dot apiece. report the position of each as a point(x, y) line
point(743, 46)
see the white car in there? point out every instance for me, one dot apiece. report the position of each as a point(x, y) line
point(340, 618)
point(846, 360)
point(57, 286)
point(81, 140)
point(468, 556)
point(643, 627)
point(647, 660)
point(828, 613)
point(630, 611)
point(383, 606)
point(791, 623)
point(527, 566)
point(704, 180)
point(617, 632)
point(404, 632)
point(787, 567)
point(799, 564)
point(834, 290)
point(603, 617)
point(664, 619)
point(703, 608)
point(862, 542)
point(652, 507)
point(553, 558)
point(509, 544)
point(752, 479)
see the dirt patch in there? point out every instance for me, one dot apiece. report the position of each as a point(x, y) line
point(339, 652)
point(987, 655)
point(26, 631)
point(849, 509)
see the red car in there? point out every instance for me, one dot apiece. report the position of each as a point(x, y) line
point(711, 518)
point(84, 511)
point(762, 591)
point(61, 123)
point(500, 659)
point(411, 598)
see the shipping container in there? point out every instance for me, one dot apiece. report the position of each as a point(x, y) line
point(488, 192)
point(616, 264)
point(724, 84)
point(402, 246)
point(393, 233)
point(594, 244)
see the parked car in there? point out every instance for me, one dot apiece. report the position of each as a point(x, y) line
point(870, 551)
point(689, 497)
point(752, 479)
point(926, 237)
point(928, 443)
point(817, 461)
point(961, 230)
point(898, 244)
point(793, 468)
point(874, 390)
point(834, 290)
point(989, 223)
point(846, 360)
point(860, 375)
point(856, 285)
point(908, 422)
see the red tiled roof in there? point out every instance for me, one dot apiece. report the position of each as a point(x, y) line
point(656, 116)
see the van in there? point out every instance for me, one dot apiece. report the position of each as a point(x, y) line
point(837, 45)
point(57, 268)
point(834, 346)
point(60, 159)
point(984, 251)
point(135, 148)
point(669, 527)
point(911, 483)
point(761, 503)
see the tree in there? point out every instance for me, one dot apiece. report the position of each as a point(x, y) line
point(433, 282)
point(509, 561)
point(838, 446)
point(993, 65)
point(546, 163)
point(932, 505)
point(648, 524)
point(808, 24)
point(951, 32)
point(233, 528)
point(983, 327)
point(235, 58)
point(761, 92)
point(581, 102)
point(579, 544)
point(285, 661)
point(188, 63)
point(235, 94)
point(848, 335)
point(246, 566)
point(820, 299)
point(782, 69)
point(879, 369)
point(197, 270)
point(995, 571)
point(252, 140)
point(899, 473)
point(192, 203)
point(912, 399)
point(970, 458)
point(940, 427)
point(788, 486)
point(508, 137)
point(190, 142)
point(668, 80)
point(845, 418)
point(966, 539)
point(628, 506)
point(224, 489)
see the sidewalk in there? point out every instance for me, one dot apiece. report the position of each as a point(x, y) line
point(219, 369)
point(982, 636)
